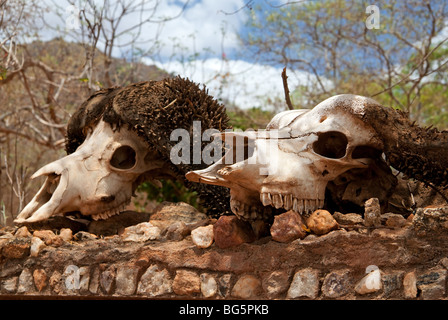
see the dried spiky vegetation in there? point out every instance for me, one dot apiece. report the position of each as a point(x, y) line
point(420, 153)
point(154, 109)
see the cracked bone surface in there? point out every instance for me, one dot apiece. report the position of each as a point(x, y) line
point(290, 163)
point(98, 179)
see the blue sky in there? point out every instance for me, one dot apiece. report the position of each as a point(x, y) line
point(194, 45)
point(202, 44)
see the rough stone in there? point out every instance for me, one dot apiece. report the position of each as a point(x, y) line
point(444, 262)
point(348, 218)
point(276, 283)
point(84, 236)
point(202, 237)
point(432, 284)
point(141, 232)
point(372, 213)
point(10, 285)
point(321, 222)
point(5, 238)
point(186, 283)
point(305, 283)
point(40, 279)
point(247, 287)
point(430, 220)
point(55, 282)
point(94, 282)
point(392, 282)
point(209, 286)
point(126, 281)
point(288, 227)
point(224, 285)
point(66, 234)
point(48, 237)
point(84, 279)
point(370, 283)
point(22, 232)
point(16, 248)
point(36, 246)
point(336, 284)
point(176, 231)
point(394, 220)
point(71, 279)
point(107, 279)
point(410, 285)
point(229, 231)
point(155, 282)
point(179, 211)
point(26, 282)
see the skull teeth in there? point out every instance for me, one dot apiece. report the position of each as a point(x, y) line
point(248, 212)
point(290, 202)
point(109, 213)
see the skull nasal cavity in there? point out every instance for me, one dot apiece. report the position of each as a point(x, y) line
point(331, 144)
point(123, 158)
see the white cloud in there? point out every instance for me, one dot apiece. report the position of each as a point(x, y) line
point(201, 25)
point(240, 82)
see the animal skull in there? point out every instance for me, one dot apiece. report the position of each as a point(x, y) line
point(98, 179)
point(289, 165)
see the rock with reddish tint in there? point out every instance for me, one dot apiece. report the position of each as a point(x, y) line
point(40, 279)
point(49, 237)
point(22, 232)
point(16, 248)
point(287, 227)
point(410, 285)
point(229, 231)
point(247, 287)
point(186, 283)
point(321, 222)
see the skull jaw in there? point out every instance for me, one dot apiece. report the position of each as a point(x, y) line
point(45, 203)
point(57, 197)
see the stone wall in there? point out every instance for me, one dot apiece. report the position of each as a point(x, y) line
point(163, 258)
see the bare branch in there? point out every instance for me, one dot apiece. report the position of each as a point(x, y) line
point(286, 90)
point(423, 60)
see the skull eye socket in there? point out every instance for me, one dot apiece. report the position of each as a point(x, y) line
point(332, 144)
point(123, 158)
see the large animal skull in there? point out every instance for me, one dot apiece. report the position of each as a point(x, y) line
point(98, 179)
point(289, 165)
